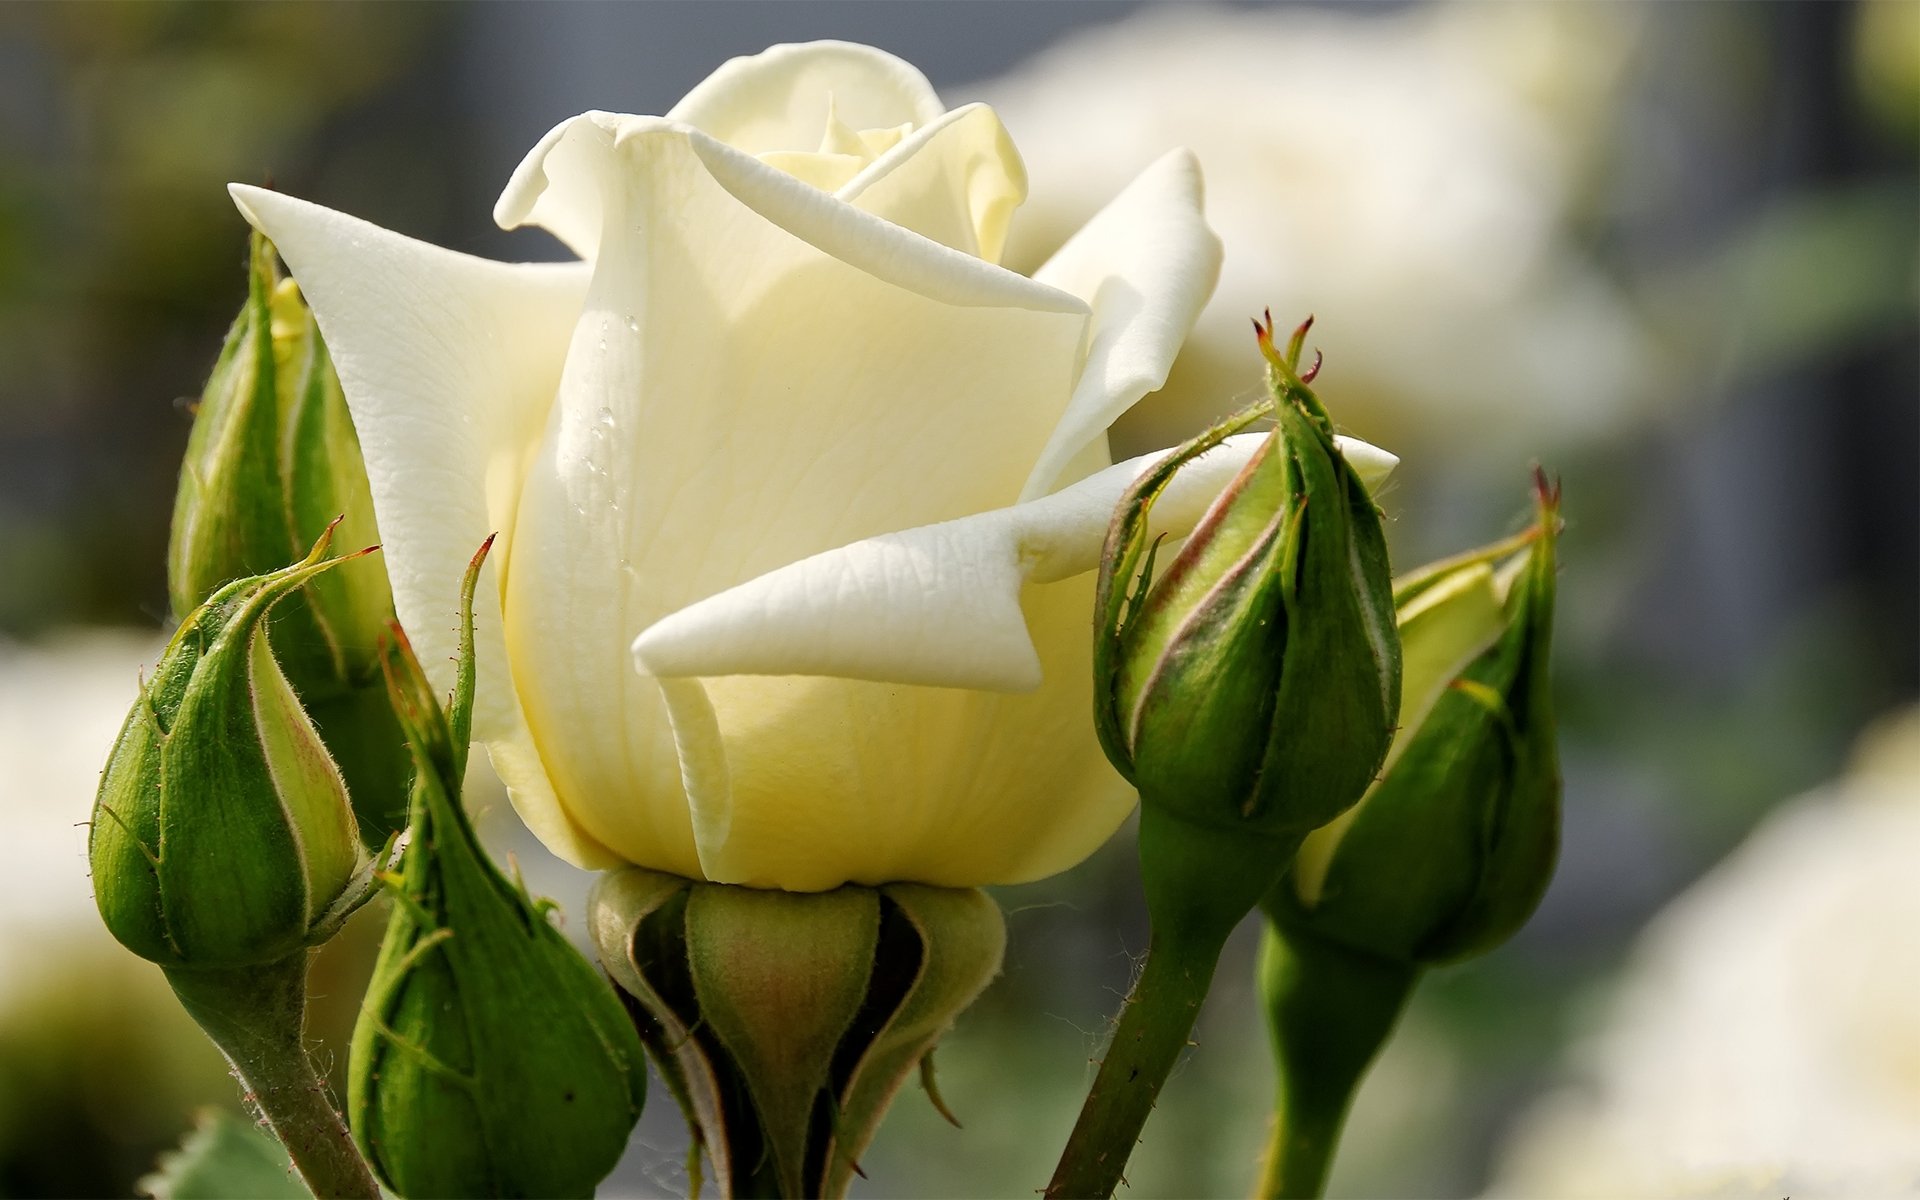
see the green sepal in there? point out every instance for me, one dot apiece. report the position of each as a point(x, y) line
point(1339, 690)
point(1126, 575)
point(481, 1018)
point(960, 937)
point(786, 1023)
point(780, 977)
point(637, 919)
point(229, 514)
point(221, 833)
point(1520, 838)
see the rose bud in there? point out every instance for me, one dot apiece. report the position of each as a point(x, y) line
point(1449, 853)
point(1443, 858)
point(490, 1058)
point(222, 835)
point(271, 462)
point(1253, 686)
point(1248, 692)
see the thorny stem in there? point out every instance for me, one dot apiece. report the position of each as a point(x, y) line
point(1200, 881)
point(257, 1017)
point(1153, 1030)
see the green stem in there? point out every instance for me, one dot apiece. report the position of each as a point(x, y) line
point(1329, 1011)
point(1153, 1030)
point(257, 1017)
point(1200, 881)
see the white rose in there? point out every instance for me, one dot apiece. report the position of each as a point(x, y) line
point(1408, 175)
point(1762, 1040)
point(790, 426)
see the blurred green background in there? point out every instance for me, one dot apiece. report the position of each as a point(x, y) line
point(1668, 249)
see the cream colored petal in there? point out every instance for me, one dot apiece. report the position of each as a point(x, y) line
point(825, 781)
point(956, 181)
point(1442, 631)
point(1369, 462)
point(780, 99)
point(762, 372)
point(556, 184)
point(828, 172)
point(1146, 263)
point(449, 364)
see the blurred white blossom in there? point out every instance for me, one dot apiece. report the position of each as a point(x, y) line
point(1410, 176)
point(60, 707)
point(1765, 1040)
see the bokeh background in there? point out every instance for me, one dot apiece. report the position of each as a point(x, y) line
point(1667, 249)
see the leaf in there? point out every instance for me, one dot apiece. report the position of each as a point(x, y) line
point(224, 1157)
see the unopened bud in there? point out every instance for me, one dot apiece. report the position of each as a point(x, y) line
point(1253, 684)
point(490, 1058)
point(222, 835)
point(1451, 851)
point(273, 459)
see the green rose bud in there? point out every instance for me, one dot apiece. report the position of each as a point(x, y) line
point(1249, 693)
point(221, 834)
point(490, 1058)
point(1253, 686)
point(271, 462)
point(1450, 852)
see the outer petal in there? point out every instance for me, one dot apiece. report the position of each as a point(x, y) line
point(449, 364)
point(804, 783)
point(1146, 263)
point(779, 99)
point(761, 372)
point(928, 782)
point(956, 181)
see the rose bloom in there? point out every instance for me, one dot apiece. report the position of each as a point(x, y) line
point(1411, 174)
point(1761, 1040)
point(790, 426)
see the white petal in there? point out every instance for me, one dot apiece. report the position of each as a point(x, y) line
point(449, 364)
point(1146, 263)
point(804, 783)
point(554, 186)
point(565, 181)
point(1369, 462)
point(956, 181)
point(761, 372)
point(780, 99)
point(938, 605)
